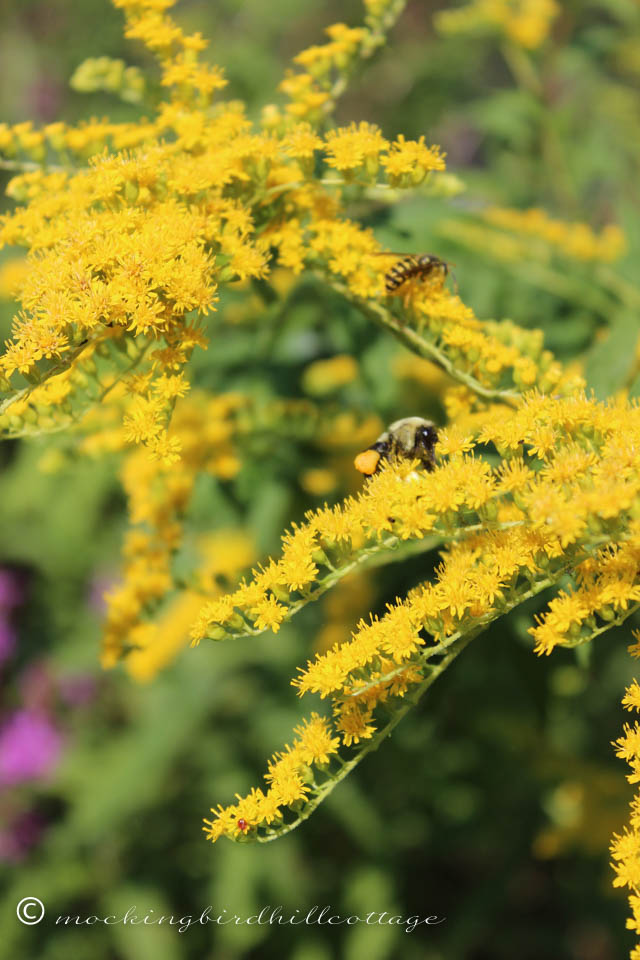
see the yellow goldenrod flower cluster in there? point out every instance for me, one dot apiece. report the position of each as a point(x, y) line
point(133, 248)
point(563, 503)
point(155, 643)
point(358, 152)
point(210, 431)
point(523, 237)
point(500, 356)
point(575, 240)
point(407, 162)
point(99, 270)
point(134, 232)
point(524, 22)
point(354, 148)
point(569, 473)
point(290, 777)
point(325, 68)
point(609, 590)
point(332, 541)
point(625, 847)
point(177, 52)
point(158, 495)
point(98, 372)
point(107, 260)
point(66, 144)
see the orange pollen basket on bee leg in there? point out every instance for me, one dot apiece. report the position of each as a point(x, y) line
point(367, 461)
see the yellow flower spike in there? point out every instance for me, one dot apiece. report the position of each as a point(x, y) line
point(574, 240)
point(290, 778)
point(625, 847)
point(326, 67)
point(525, 22)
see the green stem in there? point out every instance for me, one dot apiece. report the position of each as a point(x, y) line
point(73, 418)
point(528, 77)
point(325, 182)
point(627, 292)
point(616, 622)
point(522, 69)
point(417, 344)
point(569, 289)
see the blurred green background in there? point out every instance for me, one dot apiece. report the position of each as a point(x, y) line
point(494, 802)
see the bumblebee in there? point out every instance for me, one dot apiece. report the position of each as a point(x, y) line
point(413, 266)
point(409, 439)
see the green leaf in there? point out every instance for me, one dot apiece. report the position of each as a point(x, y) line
point(610, 363)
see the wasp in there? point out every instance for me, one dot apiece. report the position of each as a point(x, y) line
point(413, 266)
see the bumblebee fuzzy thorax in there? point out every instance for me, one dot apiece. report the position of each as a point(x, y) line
point(412, 438)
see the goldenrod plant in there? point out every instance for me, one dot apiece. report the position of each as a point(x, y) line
point(147, 240)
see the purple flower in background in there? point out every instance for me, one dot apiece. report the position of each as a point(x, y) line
point(78, 689)
point(30, 747)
